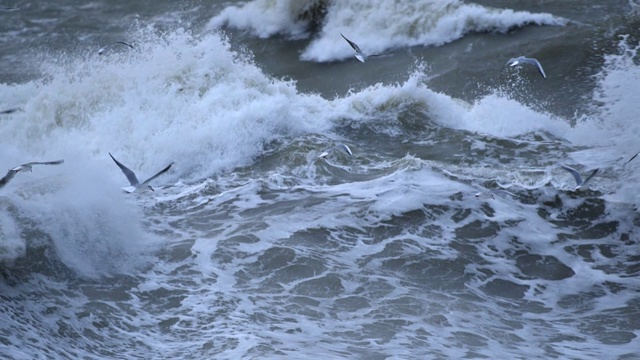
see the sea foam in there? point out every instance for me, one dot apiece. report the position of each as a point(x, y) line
point(375, 26)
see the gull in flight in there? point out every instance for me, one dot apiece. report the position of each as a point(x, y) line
point(359, 55)
point(480, 194)
point(133, 180)
point(338, 146)
point(101, 51)
point(524, 60)
point(24, 167)
point(577, 177)
point(492, 192)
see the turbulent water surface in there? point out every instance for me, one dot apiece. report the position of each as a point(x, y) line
point(451, 232)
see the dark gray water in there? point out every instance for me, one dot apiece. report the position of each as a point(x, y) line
point(451, 232)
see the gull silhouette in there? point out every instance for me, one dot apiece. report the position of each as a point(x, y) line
point(25, 167)
point(359, 54)
point(102, 49)
point(133, 180)
point(525, 60)
point(338, 146)
point(577, 177)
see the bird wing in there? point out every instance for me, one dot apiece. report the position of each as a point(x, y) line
point(575, 174)
point(131, 176)
point(513, 62)
point(633, 157)
point(359, 54)
point(9, 111)
point(10, 174)
point(536, 63)
point(56, 162)
point(589, 177)
point(325, 153)
point(158, 174)
point(345, 148)
point(124, 43)
point(539, 66)
point(353, 45)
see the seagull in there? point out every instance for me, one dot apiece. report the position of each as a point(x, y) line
point(359, 55)
point(577, 177)
point(133, 180)
point(9, 8)
point(524, 60)
point(338, 146)
point(480, 193)
point(24, 167)
point(101, 51)
point(495, 192)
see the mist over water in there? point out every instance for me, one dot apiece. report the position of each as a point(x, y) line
point(451, 232)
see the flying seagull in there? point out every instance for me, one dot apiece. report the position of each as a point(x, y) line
point(133, 180)
point(101, 51)
point(577, 177)
point(24, 167)
point(480, 194)
point(338, 146)
point(524, 60)
point(359, 55)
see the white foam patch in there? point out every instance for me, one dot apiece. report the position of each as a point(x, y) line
point(12, 245)
point(611, 129)
point(265, 18)
point(95, 228)
point(493, 115)
point(379, 26)
point(172, 99)
point(375, 26)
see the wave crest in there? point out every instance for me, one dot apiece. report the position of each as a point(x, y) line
point(375, 26)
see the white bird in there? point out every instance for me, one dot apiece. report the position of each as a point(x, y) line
point(480, 194)
point(493, 192)
point(117, 42)
point(577, 177)
point(359, 54)
point(338, 146)
point(24, 167)
point(524, 60)
point(133, 180)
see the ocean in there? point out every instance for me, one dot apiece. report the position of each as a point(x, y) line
point(450, 232)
